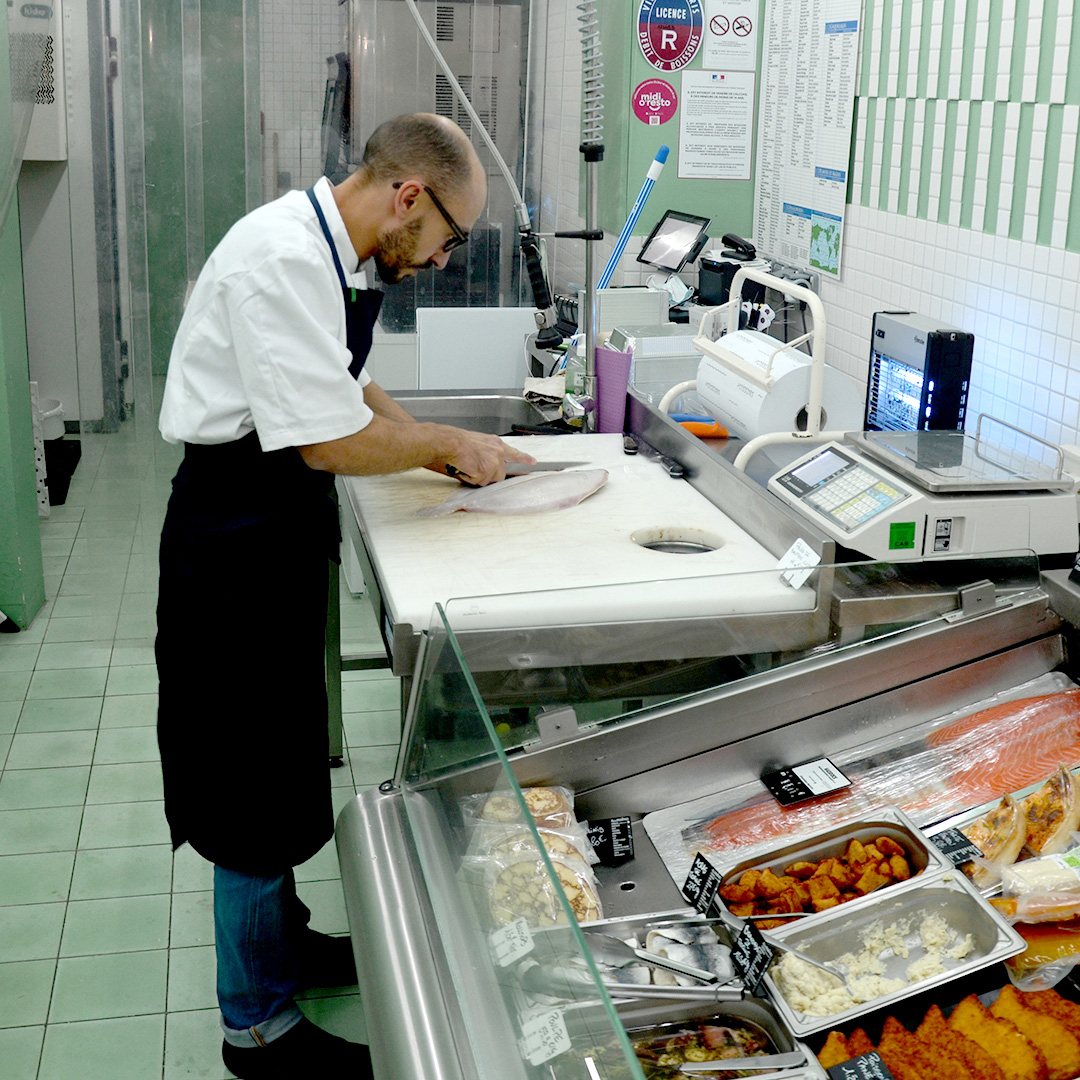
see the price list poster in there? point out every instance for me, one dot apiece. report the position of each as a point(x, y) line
point(810, 62)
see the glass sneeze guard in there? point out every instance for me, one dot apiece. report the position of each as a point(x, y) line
point(531, 1002)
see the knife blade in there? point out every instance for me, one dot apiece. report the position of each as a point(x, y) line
point(519, 468)
point(765, 1061)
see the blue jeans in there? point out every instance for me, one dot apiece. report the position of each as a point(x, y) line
point(259, 925)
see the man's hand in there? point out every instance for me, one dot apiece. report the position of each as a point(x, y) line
point(388, 446)
point(479, 460)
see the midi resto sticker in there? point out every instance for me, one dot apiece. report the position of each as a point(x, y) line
point(655, 101)
point(670, 32)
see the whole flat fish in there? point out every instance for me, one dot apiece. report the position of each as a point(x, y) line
point(533, 493)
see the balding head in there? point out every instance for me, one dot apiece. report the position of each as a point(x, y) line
point(426, 145)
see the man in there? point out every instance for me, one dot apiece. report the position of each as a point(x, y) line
point(266, 390)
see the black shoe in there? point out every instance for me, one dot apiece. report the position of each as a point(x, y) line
point(304, 1050)
point(328, 961)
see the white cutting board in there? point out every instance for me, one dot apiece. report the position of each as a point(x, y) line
point(492, 559)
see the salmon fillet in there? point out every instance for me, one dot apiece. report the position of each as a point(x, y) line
point(1018, 1058)
point(1058, 1045)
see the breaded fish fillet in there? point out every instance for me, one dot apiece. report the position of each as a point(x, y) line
point(1058, 1045)
point(1061, 1008)
point(936, 1031)
point(1018, 1057)
point(834, 1051)
point(859, 1043)
point(929, 1059)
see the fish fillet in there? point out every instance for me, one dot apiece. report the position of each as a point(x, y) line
point(533, 493)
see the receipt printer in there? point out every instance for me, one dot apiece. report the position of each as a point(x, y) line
point(919, 374)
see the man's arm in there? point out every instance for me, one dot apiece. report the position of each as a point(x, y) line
point(388, 446)
point(382, 404)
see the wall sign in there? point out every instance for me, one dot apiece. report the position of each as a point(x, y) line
point(654, 101)
point(670, 32)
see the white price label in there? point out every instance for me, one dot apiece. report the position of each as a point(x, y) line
point(801, 556)
point(545, 1037)
point(821, 776)
point(511, 942)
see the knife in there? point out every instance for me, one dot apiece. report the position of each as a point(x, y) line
point(765, 1061)
point(519, 468)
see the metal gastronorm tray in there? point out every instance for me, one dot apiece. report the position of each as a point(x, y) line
point(925, 859)
point(838, 931)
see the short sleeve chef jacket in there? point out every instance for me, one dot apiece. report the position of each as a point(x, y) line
point(261, 345)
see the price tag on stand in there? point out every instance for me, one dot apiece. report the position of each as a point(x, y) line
point(702, 883)
point(807, 781)
point(545, 1037)
point(612, 839)
point(511, 942)
point(864, 1067)
point(955, 846)
point(751, 956)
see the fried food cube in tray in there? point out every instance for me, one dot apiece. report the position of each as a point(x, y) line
point(844, 864)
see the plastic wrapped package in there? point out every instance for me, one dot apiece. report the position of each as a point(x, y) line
point(1046, 889)
point(932, 771)
point(518, 887)
point(550, 807)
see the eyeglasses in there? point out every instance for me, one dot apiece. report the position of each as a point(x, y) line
point(460, 236)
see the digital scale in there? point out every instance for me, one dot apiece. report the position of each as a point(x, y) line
point(902, 496)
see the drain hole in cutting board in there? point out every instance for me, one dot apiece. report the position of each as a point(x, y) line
point(677, 540)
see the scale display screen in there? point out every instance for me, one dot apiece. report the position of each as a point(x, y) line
point(841, 489)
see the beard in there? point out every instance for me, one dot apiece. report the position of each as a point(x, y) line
point(397, 250)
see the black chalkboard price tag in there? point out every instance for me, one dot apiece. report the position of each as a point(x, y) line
point(702, 883)
point(612, 839)
point(955, 846)
point(751, 956)
point(807, 781)
point(865, 1067)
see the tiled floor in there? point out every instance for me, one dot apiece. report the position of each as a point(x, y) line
point(106, 936)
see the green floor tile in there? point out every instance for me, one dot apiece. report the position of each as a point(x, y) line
point(20, 1051)
point(50, 829)
point(341, 1015)
point(193, 1046)
point(14, 684)
point(371, 765)
point(371, 695)
point(60, 714)
point(129, 1048)
point(191, 872)
point(136, 679)
point(51, 749)
point(74, 654)
point(30, 932)
point(136, 782)
point(82, 682)
point(83, 628)
point(120, 984)
point(19, 657)
point(129, 710)
point(192, 978)
point(126, 744)
point(108, 872)
point(23, 789)
point(192, 920)
point(372, 728)
point(80, 607)
point(24, 992)
point(327, 904)
point(119, 924)
point(133, 653)
point(123, 825)
point(323, 866)
point(35, 879)
point(9, 716)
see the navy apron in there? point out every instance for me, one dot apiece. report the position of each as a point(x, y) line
point(245, 555)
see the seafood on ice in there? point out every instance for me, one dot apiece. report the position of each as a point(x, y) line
point(533, 493)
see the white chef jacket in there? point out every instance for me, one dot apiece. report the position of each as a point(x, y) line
point(261, 345)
